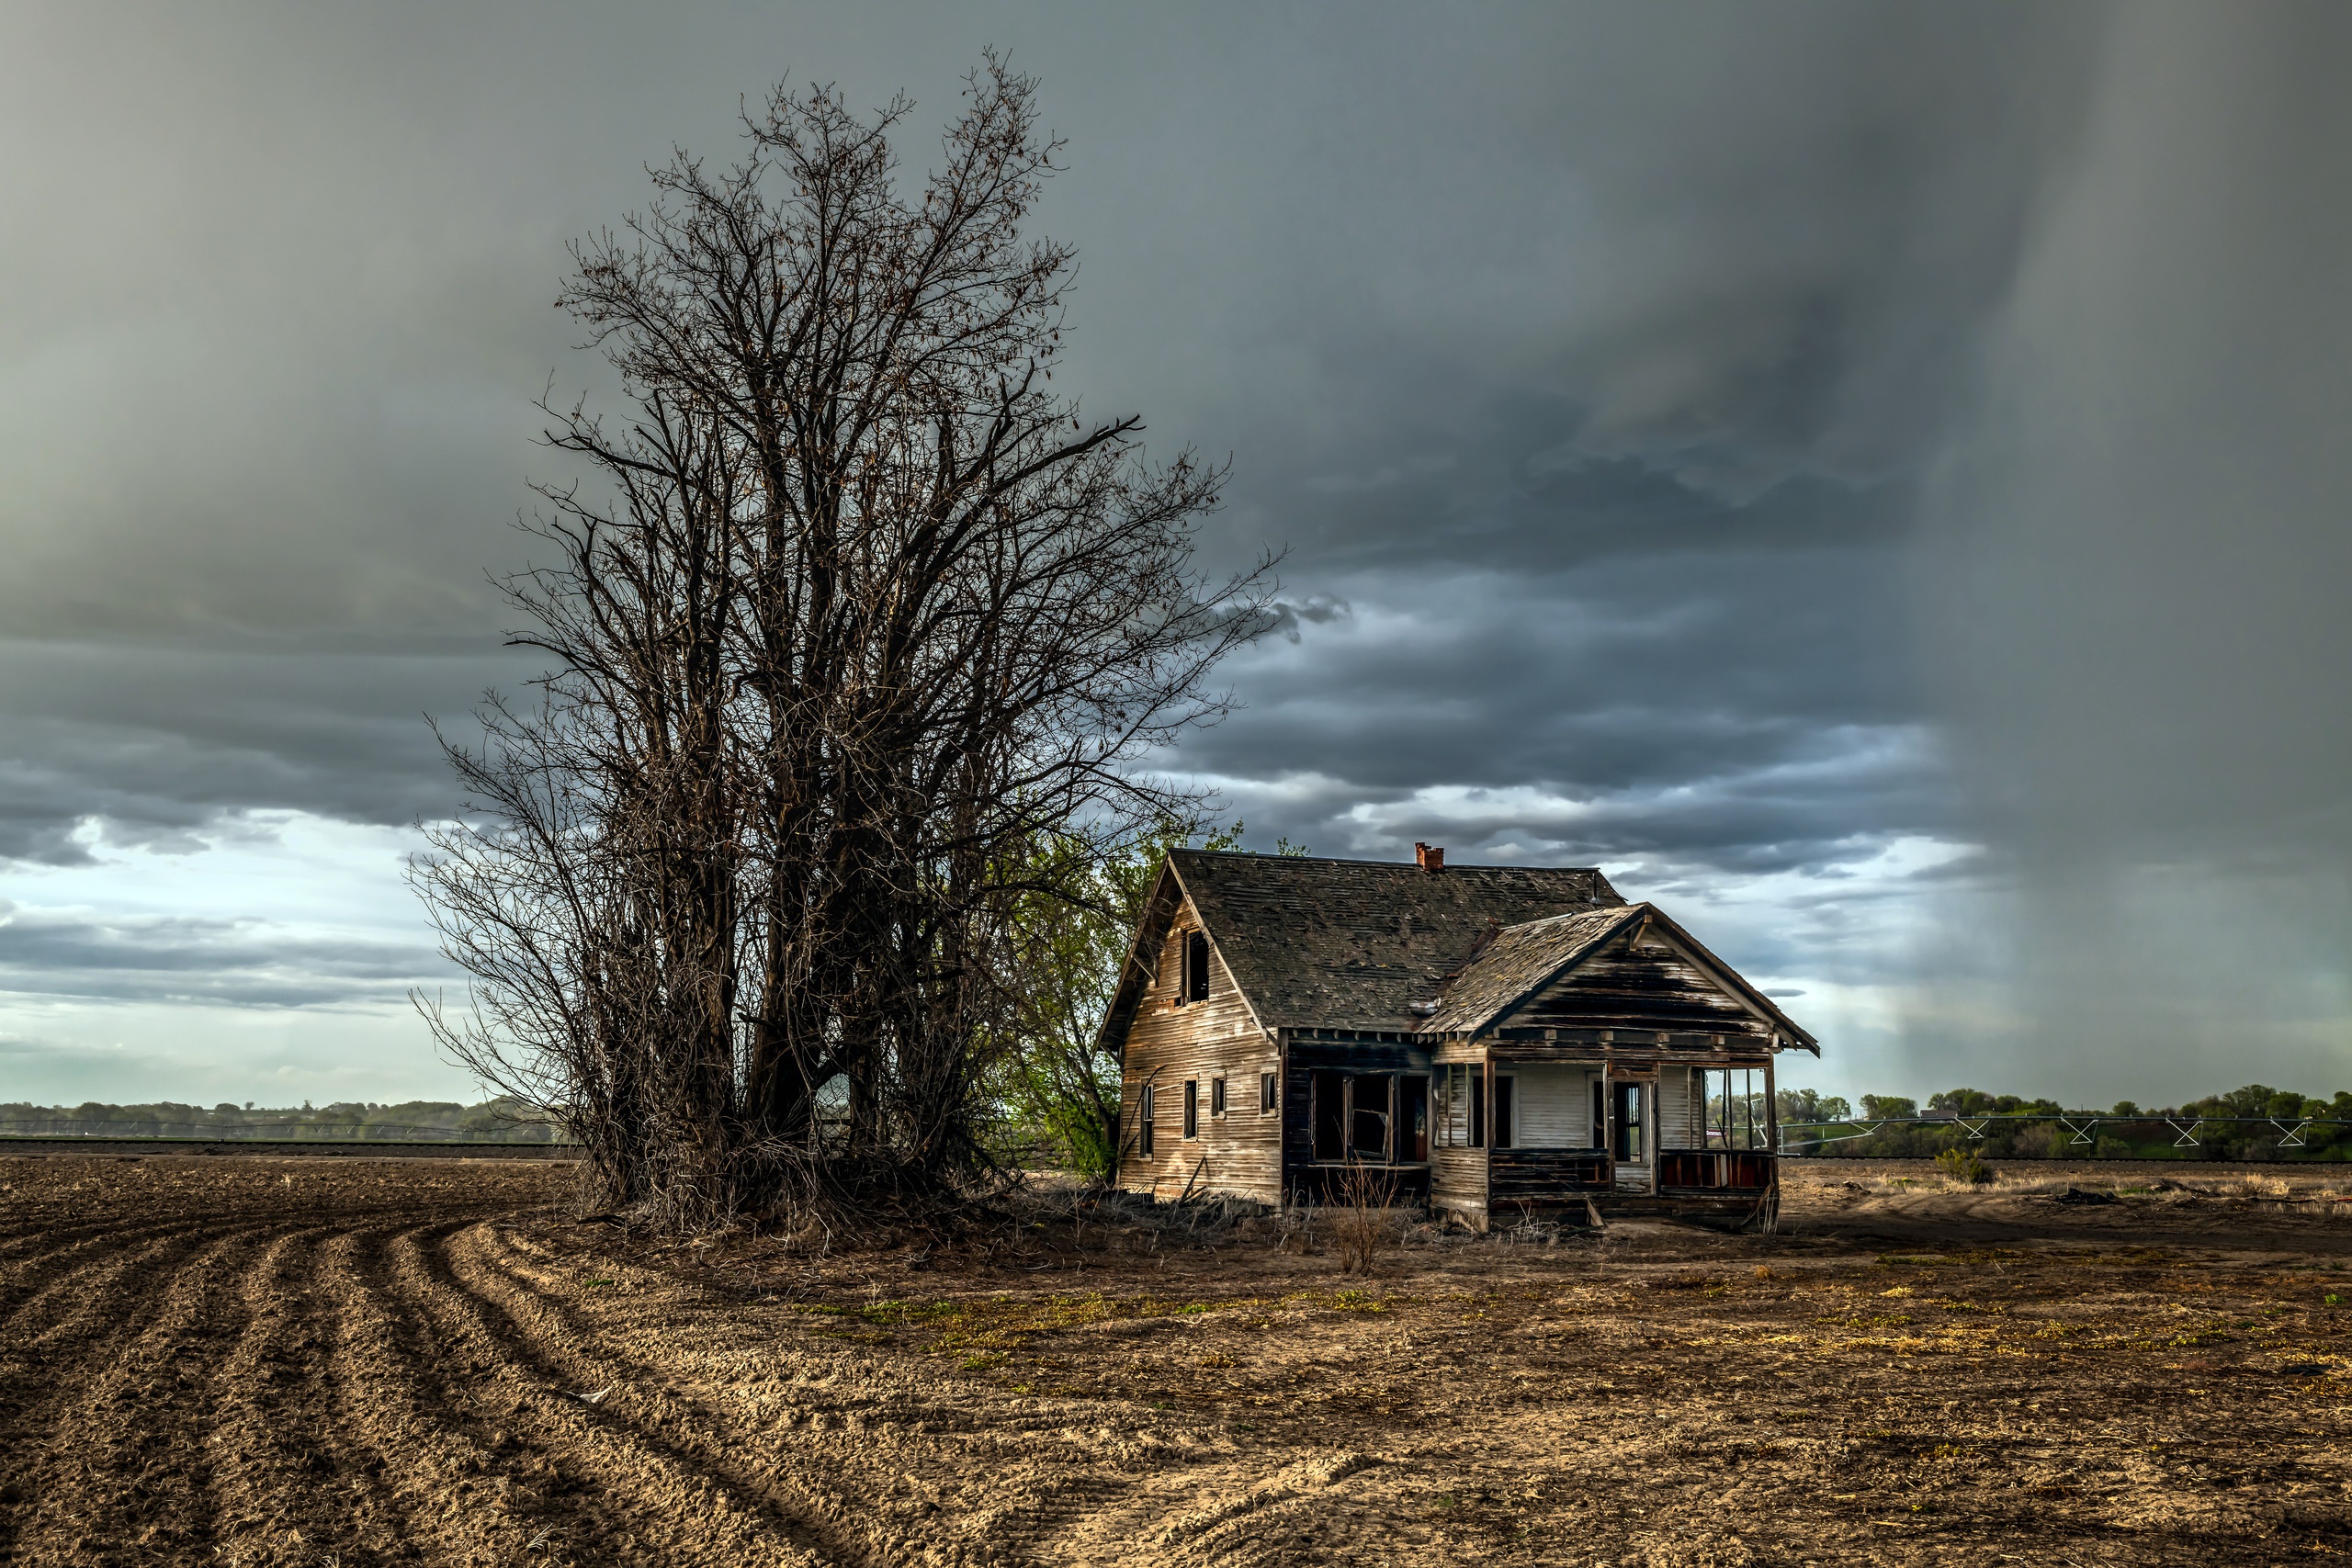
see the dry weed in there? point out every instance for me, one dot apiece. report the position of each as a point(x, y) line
point(1361, 1220)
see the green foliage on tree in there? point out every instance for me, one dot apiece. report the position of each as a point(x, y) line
point(2252, 1122)
point(1057, 1084)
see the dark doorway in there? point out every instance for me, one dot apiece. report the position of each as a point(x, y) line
point(1413, 1118)
point(1502, 1111)
point(1628, 1119)
point(1330, 1091)
point(1368, 1125)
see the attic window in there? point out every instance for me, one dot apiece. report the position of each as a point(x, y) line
point(1196, 968)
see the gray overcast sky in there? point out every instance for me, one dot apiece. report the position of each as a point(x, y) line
point(1867, 474)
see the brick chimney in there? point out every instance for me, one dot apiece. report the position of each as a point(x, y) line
point(1430, 857)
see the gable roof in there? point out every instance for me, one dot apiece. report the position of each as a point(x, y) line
point(1345, 944)
point(1523, 960)
point(1520, 960)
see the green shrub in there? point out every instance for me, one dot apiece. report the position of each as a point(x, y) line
point(1962, 1165)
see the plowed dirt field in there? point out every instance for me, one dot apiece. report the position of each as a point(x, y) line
point(347, 1361)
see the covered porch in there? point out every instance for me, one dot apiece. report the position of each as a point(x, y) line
point(1531, 1133)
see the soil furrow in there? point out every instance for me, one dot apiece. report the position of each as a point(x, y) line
point(473, 1471)
point(124, 1474)
point(700, 1508)
point(288, 1488)
point(225, 1362)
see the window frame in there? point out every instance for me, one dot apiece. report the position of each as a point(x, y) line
point(1192, 1108)
point(1144, 1109)
point(1457, 1106)
point(1217, 1099)
point(1196, 968)
point(1268, 1094)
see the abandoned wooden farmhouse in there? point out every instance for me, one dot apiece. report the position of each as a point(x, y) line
point(1491, 1040)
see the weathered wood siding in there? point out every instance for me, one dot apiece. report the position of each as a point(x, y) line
point(1458, 1180)
point(1538, 1176)
point(1643, 986)
point(1168, 1044)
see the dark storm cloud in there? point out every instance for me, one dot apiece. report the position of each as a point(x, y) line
point(184, 959)
point(1744, 707)
point(1611, 297)
point(1592, 360)
point(156, 744)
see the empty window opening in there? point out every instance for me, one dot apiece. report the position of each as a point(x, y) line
point(1196, 967)
point(1737, 1115)
point(1413, 1118)
point(1143, 1120)
point(1503, 1086)
point(1217, 1099)
point(1192, 1108)
point(1369, 1117)
point(1266, 1094)
point(1330, 1112)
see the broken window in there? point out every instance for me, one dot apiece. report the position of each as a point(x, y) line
point(1627, 1121)
point(1330, 1092)
point(1192, 1108)
point(1143, 1120)
point(1196, 967)
point(1266, 1100)
point(1369, 1116)
point(1413, 1118)
point(1217, 1099)
point(1736, 1116)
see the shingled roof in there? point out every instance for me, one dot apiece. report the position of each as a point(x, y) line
point(1352, 945)
point(1519, 959)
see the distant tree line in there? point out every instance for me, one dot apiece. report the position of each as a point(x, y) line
point(2036, 1129)
point(498, 1121)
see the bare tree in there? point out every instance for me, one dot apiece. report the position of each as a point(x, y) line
point(860, 610)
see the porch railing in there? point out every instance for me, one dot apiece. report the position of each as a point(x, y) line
point(1714, 1170)
point(1532, 1173)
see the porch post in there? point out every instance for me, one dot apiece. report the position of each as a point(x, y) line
point(1771, 1101)
point(1486, 1093)
point(1603, 1135)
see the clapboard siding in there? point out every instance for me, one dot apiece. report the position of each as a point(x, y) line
point(1458, 1179)
point(1168, 1044)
